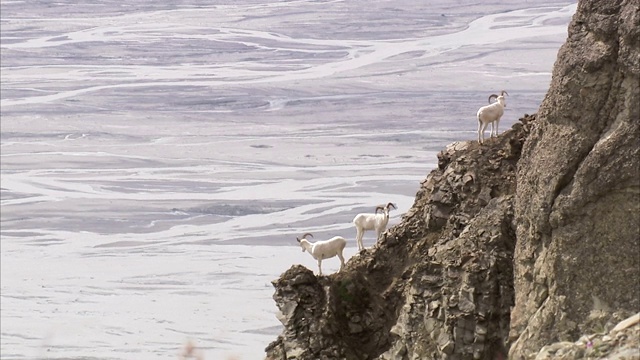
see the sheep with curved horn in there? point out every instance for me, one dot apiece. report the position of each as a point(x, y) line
point(491, 114)
point(376, 221)
point(324, 249)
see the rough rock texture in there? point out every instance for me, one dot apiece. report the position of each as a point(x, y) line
point(578, 198)
point(621, 343)
point(439, 285)
point(518, 246)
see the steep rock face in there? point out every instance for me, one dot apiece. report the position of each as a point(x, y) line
point(438, 286)
point(452, 282)
point(578, 198)
point(456, 302)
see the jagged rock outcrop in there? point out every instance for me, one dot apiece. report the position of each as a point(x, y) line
point(518, 246)
point(578, 198)
point(439, 285)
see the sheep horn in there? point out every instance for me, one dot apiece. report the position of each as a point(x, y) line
point(391, 205)
point(305, 235)
point(379, 208)
point(503, 92)
point(492, 96)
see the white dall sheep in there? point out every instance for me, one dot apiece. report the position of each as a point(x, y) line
point(323, 249)
point(491, 114)
point(376, 221)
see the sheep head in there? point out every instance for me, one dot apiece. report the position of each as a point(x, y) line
point(499, 98)
point(385, 208)
point(304, 236)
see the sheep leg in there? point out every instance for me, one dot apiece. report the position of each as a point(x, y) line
point(320, 267)
point(497, 123)
point(341, 261)
point(359, 235)
point(482, 126)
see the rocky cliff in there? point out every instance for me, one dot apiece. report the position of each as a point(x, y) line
point(577, 205)
point(527, 241)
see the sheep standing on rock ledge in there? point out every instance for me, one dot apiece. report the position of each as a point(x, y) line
point(491, 114)
point(375, 221)
point(324, 249)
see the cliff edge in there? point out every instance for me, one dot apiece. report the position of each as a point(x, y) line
point(526, 247)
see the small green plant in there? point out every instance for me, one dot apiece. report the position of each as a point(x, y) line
point(343, 291)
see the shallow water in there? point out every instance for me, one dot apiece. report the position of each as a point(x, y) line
point(158, 160)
